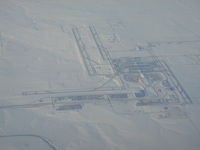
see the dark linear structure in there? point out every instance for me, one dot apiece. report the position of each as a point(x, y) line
point(104, 52)
point(100, 46)
point(173, 78)
point(178, 85)
point(84, 54)
point(31, 135)
point(25, 105)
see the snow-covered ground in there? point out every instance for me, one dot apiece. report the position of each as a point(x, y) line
point(41, 64)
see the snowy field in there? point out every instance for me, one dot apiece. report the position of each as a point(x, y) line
point(99, 74)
